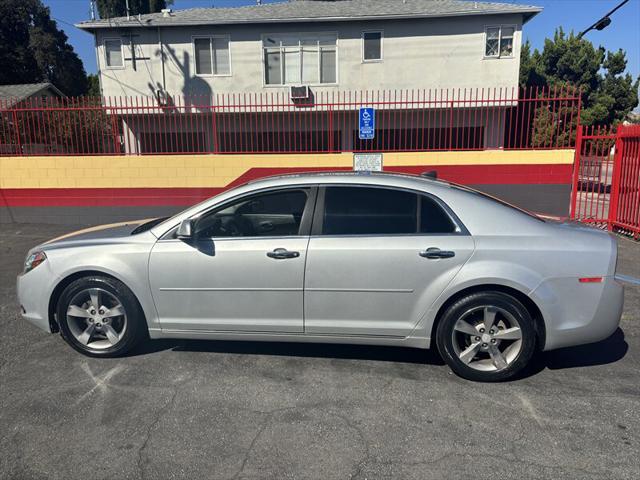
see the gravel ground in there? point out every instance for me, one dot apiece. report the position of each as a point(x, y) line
point(189, 409)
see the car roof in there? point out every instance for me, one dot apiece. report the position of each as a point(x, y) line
point(472, 207)
point(341, 176)
point(328, 174)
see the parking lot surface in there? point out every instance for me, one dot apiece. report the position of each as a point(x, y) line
point(227, 410)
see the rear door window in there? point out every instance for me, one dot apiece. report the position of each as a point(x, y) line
point(369, 211)
point(350, 210)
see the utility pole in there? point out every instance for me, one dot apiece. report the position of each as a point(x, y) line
point(604, 22)
point(126, 2)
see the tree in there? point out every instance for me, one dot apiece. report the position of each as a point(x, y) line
point(118, 8)
point(94, 86)
point(607, 93)
point(34, 50)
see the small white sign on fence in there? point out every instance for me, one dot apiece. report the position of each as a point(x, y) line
point(367, 162)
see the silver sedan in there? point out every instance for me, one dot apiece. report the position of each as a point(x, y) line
point(376, 259)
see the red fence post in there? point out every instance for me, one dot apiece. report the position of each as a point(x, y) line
point(332, 147)
point(114, 127)
point(214, 125)
point(15, 126)
point(576, 172)
point(614, 194)
point(451, 123)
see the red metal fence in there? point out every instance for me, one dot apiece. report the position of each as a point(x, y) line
point(406, 120)
point(606, 186)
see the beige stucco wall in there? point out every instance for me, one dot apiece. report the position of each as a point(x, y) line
point(426, 53)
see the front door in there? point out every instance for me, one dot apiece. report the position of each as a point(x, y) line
point(379, 260)
point(243, 271)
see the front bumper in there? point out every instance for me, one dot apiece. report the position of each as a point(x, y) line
point(34, 291)
point(579, 313)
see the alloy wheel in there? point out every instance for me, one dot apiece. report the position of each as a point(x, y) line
point(96, 318)
point(487, 338)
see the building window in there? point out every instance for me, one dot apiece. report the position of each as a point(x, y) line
point(113, 53)
point(300, 59)
point(499, 41)
point(371, 46)
point(212, 55)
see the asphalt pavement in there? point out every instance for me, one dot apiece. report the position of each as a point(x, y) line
point(242, 410)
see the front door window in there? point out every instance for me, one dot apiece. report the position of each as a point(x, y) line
point(268, 214)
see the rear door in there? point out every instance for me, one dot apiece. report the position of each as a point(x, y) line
point(377, 260)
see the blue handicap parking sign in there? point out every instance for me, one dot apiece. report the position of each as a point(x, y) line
point(367, 123)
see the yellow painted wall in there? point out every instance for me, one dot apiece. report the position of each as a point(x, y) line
point(220, 170)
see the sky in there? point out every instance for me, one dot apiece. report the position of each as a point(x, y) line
point(577, 15)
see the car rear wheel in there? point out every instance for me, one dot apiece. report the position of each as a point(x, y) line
point(486, 337)
point(100, 317)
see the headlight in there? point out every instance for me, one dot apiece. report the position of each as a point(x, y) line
point(33, 260)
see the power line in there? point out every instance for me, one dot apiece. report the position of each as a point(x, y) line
point(604, 22)
point(63, 21)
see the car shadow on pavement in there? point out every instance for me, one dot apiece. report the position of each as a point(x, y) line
point(604, 352)
point(310, 350)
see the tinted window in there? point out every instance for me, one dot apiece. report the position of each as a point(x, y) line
point(372, 45)
point(433, 219)
point(362, 210)
point(268, 214)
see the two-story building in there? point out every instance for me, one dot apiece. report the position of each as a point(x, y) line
point(191, 57)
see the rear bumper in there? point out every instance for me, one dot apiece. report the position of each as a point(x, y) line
point(579, 313)
point(633, 281)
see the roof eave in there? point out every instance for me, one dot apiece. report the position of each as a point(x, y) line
point(530, 14)
point(527, 15)
point(52, 87)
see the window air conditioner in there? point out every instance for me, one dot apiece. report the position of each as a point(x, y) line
point(300, 93)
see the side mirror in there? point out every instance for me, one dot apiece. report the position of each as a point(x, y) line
point(186, 229)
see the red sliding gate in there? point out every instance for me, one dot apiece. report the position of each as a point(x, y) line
point(606, 182)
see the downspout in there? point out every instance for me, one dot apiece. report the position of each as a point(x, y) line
point(160, 44)
point(95, 47)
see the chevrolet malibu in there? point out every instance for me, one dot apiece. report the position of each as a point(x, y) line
point(376, 259)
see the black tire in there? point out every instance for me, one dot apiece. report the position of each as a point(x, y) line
point(499, 300)
point(136, 326)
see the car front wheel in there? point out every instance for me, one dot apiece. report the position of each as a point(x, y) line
point(99, 316)
point(486, 336)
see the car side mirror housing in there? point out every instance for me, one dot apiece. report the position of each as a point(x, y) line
point(186, 230)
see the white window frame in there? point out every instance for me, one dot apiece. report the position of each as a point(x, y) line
point(193, 53)
point(374, 60)
point(106, 59)
point(499, 27)
point(287, 85)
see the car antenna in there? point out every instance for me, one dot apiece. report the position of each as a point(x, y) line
point(430, 174)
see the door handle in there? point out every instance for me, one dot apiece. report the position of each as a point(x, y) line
point(282, 253)
point(434, 252)
point(266, 226)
